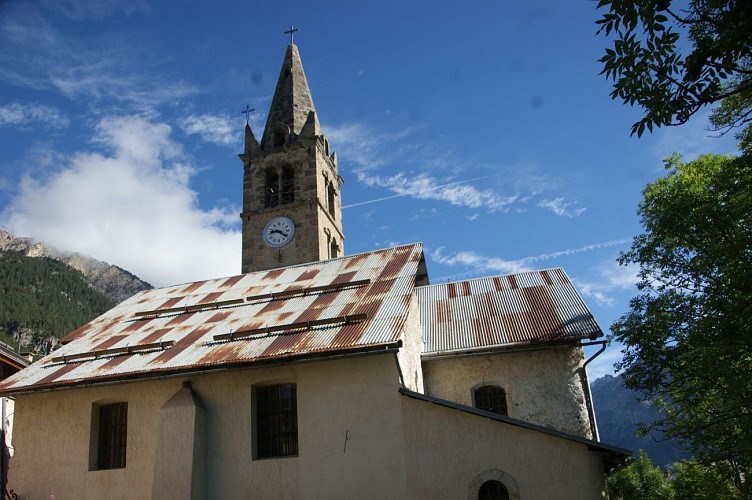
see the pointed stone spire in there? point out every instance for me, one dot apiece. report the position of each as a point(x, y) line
point(251, 145)
point(251, 148)
point(291, 104)
point(311, 126)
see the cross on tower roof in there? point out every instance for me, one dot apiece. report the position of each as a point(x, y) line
point(290, 32)
point(247, 112)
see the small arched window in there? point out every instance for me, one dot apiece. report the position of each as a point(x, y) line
point(333, 249)
point(493, 490)
point(491, 398)
point(493, 484)
point(330, 198)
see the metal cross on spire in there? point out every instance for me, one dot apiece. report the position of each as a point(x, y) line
point(290, 32)
point(247, 112)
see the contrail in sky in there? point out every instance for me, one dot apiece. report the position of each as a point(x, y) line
point(484, 263)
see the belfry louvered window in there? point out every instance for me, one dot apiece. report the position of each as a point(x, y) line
point(279, 189)
point(287, 188)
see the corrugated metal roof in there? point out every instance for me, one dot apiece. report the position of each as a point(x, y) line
point(532, 307)
point(340, 305)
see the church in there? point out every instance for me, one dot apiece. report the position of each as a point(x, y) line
point(315, 374)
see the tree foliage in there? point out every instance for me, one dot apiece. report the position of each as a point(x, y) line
point(44, 297)
point(687, 480)
point(688, 334)
point(640, 480)
point(672, 58)
point(694, 481)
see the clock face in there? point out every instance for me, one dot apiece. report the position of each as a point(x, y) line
point(278, 232)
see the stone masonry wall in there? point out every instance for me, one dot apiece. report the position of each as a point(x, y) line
point(543, 387)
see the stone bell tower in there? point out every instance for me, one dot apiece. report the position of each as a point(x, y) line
point(292, 210)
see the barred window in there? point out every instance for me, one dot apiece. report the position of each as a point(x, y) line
point(276, 421)
point(112, 435)
point(491, 398)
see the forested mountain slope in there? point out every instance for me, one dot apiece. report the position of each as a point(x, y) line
point(46, 293)
point(42, 299)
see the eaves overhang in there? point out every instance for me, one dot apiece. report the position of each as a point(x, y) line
point(386, 348)
point(501, 349)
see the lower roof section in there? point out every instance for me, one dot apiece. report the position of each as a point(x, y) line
point(536, 307)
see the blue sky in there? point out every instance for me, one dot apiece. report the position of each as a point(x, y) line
point(481, 128)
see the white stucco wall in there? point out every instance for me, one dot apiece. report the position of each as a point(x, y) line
point(412, 344)
point(358, 438)
point(543, 387)
point(350, 435)
point(448, 450)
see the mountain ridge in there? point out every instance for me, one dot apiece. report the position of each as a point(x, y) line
point(619, 412)
point(114, 282)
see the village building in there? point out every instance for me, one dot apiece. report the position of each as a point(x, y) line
point(316, 375)
point(10, 363)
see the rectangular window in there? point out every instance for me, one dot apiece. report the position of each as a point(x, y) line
point(276, 421)
point(112, 433)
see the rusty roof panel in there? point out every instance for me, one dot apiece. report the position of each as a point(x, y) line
point(503, 311)
point(192, 314)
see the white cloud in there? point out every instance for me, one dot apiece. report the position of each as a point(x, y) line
point(595, 291)
point(23, 116)
point(132, 206)
point(693, 139)
point(611, 277)
point(389, 243)
point(363, 147)
point(80, 10)
point(34, 54)
point(425, 187)
point(374, 156)
point(211, 128)
point(479, 263)
point(424, 213)
point(561, 207)
point(620, 276)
